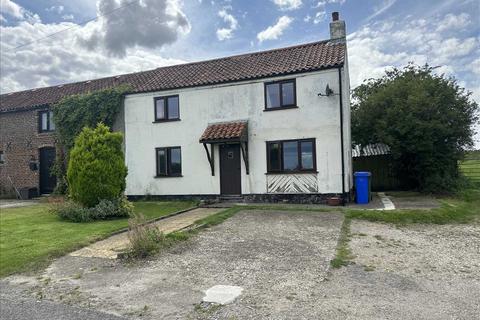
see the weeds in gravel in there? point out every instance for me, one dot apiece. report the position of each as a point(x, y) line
point(343, 255)
point(145, 239)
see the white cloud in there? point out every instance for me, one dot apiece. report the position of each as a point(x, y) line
point(381, 8)
point(323, 3)
point(227, 33)
point(454, 22)
point(275, 31)
point(148, 23)
point(68, 17)
point(307, 18)
point(62, 58)
point(378, 46)
point(56, 9)
point(288, 4)
point(319, 17)
point(12, 9)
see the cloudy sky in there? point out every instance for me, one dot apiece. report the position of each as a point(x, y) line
point(134, 35)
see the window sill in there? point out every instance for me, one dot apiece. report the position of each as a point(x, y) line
point(46, 132)
point(280, 108)
point(160, 177)
point(166, 120)
point(291, 172)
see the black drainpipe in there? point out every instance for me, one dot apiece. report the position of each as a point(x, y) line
point(341, 132)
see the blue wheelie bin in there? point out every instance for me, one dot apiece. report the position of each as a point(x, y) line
point(362, 185)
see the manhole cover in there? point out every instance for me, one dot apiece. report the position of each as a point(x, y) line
point(222, 294)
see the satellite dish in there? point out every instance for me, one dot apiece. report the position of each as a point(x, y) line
point(328, 92)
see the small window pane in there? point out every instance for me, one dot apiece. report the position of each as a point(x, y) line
point(173, 111)
point(273, 95)
point(2, 157)
point(175, 161)
point(274, 156)
point(290, 156)
point(44, 120)
point(52, 124)
point(160, 109)
point(288, 94)
point(307, 154)
point(161, 162)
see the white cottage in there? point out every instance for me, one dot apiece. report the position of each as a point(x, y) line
point(264, 126)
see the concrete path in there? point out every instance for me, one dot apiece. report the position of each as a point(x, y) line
point(13, 203)
point(112, 246)
point(387, 203)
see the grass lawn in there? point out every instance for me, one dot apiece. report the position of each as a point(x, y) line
point(460, 209)
point(31, 236)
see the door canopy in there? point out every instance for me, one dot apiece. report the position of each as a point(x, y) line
point(226, 132)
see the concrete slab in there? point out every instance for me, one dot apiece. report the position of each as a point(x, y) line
point(222, 294)
point(112, 246)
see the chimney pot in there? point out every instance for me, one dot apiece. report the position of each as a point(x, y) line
point(337, 27)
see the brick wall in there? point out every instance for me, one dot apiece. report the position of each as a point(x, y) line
point(20, 140)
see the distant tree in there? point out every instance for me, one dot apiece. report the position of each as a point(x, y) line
point(96, 169)
point(427, 120)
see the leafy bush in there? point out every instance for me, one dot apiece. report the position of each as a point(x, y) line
point(145, 239)
point(116, 208)
point(96, 169)
point(72, 211)
point(105, 209)
point(427, 119)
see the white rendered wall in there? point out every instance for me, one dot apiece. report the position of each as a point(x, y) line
point(317, 117)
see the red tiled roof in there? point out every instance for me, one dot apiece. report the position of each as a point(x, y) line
point(302, 58)
point(235, 130)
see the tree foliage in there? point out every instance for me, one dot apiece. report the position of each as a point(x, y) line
point(427, 120)
point(73, 113)
point(96, 169)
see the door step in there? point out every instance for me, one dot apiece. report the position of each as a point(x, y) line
point(231, 198)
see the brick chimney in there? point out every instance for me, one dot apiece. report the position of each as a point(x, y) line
point(337, 27)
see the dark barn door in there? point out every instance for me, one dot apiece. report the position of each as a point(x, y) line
point(230, 172)
point(47, 181)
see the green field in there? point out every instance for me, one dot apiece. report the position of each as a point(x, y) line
point(31, 236)
point(470, 167)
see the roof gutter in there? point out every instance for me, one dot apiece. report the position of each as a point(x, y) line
point(341, 132)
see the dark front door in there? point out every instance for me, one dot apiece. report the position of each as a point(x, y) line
point(47, 181)
point(230, 172)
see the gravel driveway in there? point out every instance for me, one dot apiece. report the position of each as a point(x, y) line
point(412, 272)
point(279, 258)
point(281, 261)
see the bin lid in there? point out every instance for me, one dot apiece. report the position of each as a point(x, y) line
point(362, 174)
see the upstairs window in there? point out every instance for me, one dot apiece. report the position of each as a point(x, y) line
point(167, 108)
point(280, 94)
point(45, 119)
point(291, 156)
point(169, 162)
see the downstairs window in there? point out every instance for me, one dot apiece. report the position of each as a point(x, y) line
point(169, 162)
point(290, 156)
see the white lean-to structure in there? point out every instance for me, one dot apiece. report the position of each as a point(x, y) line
point(281, 136)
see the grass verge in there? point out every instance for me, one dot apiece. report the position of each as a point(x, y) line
point(460, 209)
point(31, 236)
point(343, 254)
